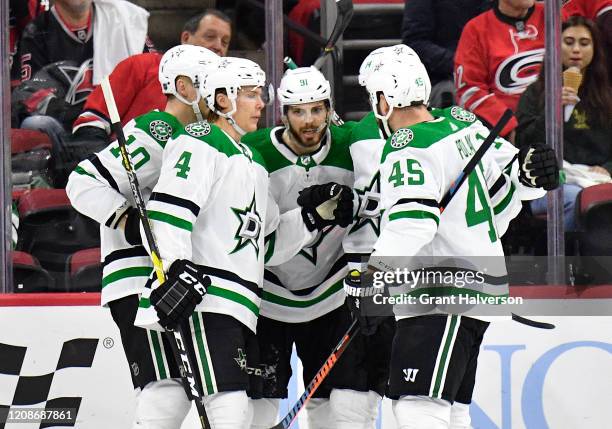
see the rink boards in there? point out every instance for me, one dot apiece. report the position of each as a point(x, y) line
point(65, 349)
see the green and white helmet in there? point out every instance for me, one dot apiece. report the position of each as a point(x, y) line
point(303, 85)
point(231, 74)
point(186, 60)
point(402, 79)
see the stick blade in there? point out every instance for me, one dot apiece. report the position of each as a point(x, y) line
point(532, 323)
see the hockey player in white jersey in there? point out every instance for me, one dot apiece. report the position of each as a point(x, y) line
point(433, 363)
point(99, 188)
point(302, 302)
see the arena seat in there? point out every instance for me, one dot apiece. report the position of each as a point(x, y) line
point(28, 275)
point(594, 238)
point(84, 271)
point(51, 230)
point(30, 158)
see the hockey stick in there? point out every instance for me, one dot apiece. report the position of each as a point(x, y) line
point(344, 14)
point(177, 337)
point(286, 422)
point(467, 170)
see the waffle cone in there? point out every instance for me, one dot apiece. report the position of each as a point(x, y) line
point(572, 78)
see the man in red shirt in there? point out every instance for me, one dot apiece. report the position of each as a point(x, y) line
point(137, 75)
point(138, 92)
point(499, 54)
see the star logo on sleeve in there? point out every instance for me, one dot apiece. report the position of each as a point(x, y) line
point(310, 252)
point(369, 206)
point(250, 227)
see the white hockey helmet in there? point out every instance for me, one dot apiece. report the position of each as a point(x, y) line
point(384, 54)
point(231, 74)
point(303, 85)
point(186, 60)
point(404, 83)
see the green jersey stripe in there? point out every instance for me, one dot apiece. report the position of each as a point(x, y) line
point(233, 296)
point(80, 170)
point(199, 333)
point(446, 354)
point(505, 201)
point(158, 355)
point(414, 214)
point(172, 220)
point(126, 273)
point(280, 300)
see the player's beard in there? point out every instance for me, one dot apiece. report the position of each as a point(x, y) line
point(312, 142)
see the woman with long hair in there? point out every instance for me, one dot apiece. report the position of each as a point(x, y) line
point(587, 132)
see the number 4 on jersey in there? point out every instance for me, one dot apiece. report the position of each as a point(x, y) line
point(183, 165)
point(413, 169)
point(476, 197)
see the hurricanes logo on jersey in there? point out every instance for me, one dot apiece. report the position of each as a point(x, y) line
point(161, 130)
point(198, 129)
point(249, 228)
point(462, 115)
point(401, 138)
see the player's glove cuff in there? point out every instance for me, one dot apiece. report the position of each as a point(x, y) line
point(176, 300)
point(132, 227)
point(539, 167)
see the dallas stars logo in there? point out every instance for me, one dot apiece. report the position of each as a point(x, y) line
point(249, 228)
point(161, 130)
point(369, 210)
point(310, 253)
point(265, 371)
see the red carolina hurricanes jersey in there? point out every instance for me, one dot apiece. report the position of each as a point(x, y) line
point(136, 89)
point(589, 8)
point(496, 59)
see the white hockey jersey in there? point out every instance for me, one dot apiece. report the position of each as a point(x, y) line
point(419, 165)
point(209, 206)
point(99, 188)
point(310, 284)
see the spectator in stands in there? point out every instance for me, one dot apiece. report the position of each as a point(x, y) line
point(140, 92)
point(587, 134)
point(432, 28)
point(21, 12)
point(499, 54)
point(74, 45)
point(596, 10)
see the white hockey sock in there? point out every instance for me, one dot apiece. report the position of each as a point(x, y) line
point(161, 404)
point(265, 413)
point(422, 412)
point(460, 416)
point(228, 410)
point(319, 414)
point(354, 410)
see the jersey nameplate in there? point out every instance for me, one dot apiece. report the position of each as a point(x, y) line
point(161, 130)
point(401, 138)
point(198, 129)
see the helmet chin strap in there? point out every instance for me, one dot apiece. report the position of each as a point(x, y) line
point(386, 130)
point(194, 104)
point(229, 116)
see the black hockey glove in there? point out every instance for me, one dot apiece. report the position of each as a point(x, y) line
point(360, 299)
point(539, 167)
point(132, 227)
point(176, 300)
point(324, 205)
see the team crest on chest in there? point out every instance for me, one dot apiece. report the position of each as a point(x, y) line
point(250, 227)
point(401, 138)
point(462, 115)
point(198, 129)
point(161, 130)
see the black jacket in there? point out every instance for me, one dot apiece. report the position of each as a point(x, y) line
point(433, 27)
point(583, 142)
